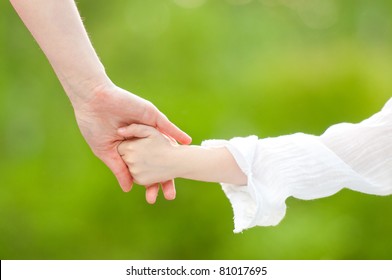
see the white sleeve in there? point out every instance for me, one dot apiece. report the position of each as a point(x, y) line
point(353, 156)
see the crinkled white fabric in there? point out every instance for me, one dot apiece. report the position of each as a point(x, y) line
point(353, 156)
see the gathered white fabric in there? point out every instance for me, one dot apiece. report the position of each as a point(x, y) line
point(353, 156)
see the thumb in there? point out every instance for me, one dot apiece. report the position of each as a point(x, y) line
point(136, 131)
point(120, 170)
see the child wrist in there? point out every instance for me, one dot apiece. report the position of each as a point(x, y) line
point(181, 159)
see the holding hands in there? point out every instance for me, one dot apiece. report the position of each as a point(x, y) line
point(102, 109)
point(153, 157)
point(150, 155)
point(110, 108)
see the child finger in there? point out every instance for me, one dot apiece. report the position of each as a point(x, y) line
point(169, 190)
point(136, 131)
point(152, 193)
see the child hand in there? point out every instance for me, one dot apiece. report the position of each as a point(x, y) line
point(149, 156)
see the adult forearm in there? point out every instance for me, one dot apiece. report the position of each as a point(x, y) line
point(209, 164)
point(59, 31)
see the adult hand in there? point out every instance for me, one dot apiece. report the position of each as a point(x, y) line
point(100, 107)
point(107, 110)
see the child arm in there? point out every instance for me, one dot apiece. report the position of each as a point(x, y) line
point(354, 156)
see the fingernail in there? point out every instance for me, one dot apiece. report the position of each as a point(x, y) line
point(171, 196)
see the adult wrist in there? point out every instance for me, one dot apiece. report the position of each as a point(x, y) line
point(83, 90)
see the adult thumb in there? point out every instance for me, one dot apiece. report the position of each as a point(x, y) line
point(120, 170)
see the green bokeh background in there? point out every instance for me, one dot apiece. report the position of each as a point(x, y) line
point(218, 69)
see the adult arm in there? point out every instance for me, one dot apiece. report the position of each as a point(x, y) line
point(101, 108)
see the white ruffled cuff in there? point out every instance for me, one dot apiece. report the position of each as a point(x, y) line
point(244, 199)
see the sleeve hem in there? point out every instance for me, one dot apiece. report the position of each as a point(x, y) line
point(244, 199)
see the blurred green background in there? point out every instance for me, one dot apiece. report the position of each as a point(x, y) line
point(218, 69)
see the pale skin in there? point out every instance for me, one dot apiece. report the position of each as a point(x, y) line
point(101, 108)
point(152, 157)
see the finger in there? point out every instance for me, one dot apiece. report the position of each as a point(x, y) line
point(169, 190)
point(152, 193)
point(136, 131)
point(170, 129)
point(120, 170)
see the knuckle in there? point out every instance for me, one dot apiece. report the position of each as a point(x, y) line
point(141, 179)
point(149, 112)
point(127, 149)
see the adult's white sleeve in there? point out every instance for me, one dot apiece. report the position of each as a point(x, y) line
point(353, 156)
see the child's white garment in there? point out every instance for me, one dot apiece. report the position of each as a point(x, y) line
point(354, 156)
